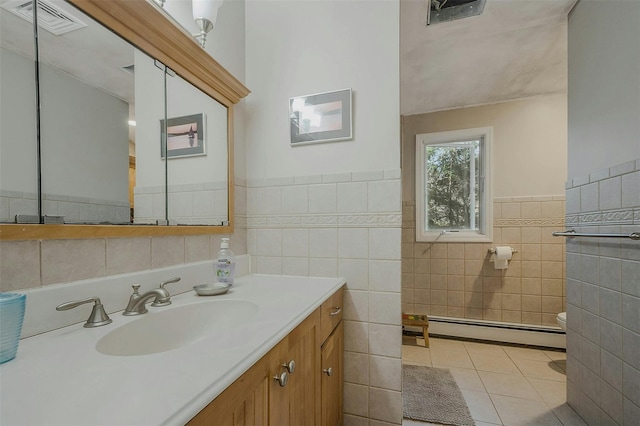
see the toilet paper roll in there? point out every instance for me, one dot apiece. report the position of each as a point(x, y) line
point(502, 256)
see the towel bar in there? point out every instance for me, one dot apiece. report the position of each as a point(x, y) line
point(572, 234)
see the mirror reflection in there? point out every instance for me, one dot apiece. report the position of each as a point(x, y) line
point(196, 148)
point(86, 88)
point(103, 105)
point(197, 166)
point(18, 148)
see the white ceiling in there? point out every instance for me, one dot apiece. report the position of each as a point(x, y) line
point(514, 49)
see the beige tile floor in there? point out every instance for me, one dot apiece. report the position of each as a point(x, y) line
point(502, 385)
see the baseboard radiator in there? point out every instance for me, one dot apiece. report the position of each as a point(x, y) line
point(494, 331)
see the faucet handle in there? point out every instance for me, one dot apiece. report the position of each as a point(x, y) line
point(98, 315)
point(165, 300)
point(170, 281)
point(135, 288)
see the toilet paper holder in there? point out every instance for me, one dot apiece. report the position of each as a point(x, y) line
point(492, 250)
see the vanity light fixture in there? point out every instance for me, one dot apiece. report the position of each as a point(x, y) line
point(205, 13)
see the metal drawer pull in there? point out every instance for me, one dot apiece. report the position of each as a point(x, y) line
point(282, 379)
point(338, 309)
point(290, 366)
point(328, 371)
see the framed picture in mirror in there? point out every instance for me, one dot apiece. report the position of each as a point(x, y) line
point(323, 117)
point(185, 136)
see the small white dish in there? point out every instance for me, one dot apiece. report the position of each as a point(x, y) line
point(211, 289)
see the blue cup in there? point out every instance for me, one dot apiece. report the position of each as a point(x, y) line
point(11, 317)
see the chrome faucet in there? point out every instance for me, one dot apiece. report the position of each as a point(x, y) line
point(137, 302)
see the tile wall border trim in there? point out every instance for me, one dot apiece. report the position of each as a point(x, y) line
point(630, 216)
point(554, 221)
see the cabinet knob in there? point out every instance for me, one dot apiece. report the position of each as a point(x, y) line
point(338, 309)
point(290, 366)
point(282, 379)
point(328, 371)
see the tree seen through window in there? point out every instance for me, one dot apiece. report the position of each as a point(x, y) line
point(452, 185)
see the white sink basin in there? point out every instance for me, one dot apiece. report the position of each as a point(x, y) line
point(162, 330)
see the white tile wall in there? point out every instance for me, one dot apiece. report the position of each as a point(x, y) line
point(322, 198)
point(348, 225)
point(323, 242)
point(295, 199)
point(352, 197)
point(603, 303)
point(353, 243)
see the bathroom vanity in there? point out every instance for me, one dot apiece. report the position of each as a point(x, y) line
point(237, 371)
point(298, 382)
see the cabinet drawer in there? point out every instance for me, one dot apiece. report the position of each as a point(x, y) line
point(331, 314)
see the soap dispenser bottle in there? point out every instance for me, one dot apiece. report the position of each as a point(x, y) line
point(226, 263)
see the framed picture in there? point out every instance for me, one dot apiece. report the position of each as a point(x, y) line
point(323, 117)
point(185, 136)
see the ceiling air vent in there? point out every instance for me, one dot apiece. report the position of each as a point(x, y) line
point(450, 10)
point(50, 17)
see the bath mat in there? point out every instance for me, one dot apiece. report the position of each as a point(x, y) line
point(432, 395)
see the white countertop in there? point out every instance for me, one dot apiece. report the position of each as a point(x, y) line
point(59, 378)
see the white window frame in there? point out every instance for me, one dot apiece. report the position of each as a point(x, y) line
point(485, 233)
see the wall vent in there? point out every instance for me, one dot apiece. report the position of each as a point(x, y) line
point(50, 17)
point(450, 10)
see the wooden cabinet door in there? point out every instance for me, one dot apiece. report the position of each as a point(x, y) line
point(244, 403)
point(332, 377)
point(278, 394)
point(304, 384)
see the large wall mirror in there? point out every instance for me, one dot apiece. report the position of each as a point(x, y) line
point(113, 64)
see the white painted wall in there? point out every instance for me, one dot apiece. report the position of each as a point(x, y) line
point(529, 143)
point(85, 145)
point(604, 85)
point(298, 48)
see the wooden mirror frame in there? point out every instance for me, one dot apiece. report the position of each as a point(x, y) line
point(147, 27)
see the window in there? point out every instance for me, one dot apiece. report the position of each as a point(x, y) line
point(453, 186)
